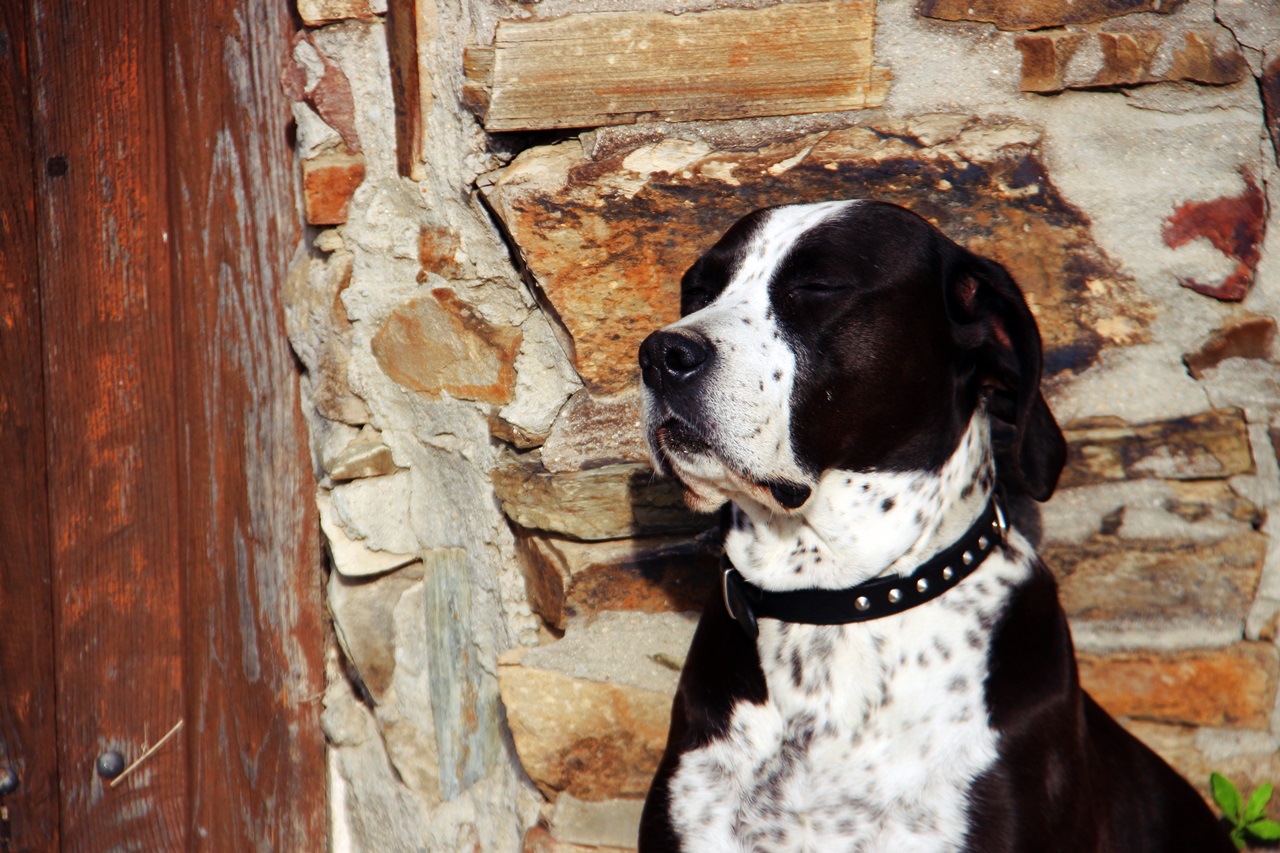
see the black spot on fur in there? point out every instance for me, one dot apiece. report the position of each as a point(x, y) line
point(887, 505)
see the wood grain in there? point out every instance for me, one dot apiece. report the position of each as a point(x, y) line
point(595, 69)
point(27, 745)
point(106, 306)
point(249, 530)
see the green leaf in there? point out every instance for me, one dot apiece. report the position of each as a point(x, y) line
point(1257, 802)
point(1226, 796)
point(1237, 837)
point(1267, 830)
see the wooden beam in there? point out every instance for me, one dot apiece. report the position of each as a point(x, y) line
point(106, 300)
point(603, 68)
point(249, 527)
point(27, 745)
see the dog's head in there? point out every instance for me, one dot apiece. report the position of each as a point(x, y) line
point(843, 335)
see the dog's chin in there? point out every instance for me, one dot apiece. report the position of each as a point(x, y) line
point(709, 481)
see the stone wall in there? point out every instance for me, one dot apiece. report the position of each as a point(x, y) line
point(512, 591)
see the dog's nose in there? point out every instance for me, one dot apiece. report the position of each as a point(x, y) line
point(673, 357)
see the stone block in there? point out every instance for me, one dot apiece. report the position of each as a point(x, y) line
point(596, 431)
point(317, 13)
point(464, 692)
point(607, 240)
point(612, 502)
point(567, 579)
point(363, 456)
point(1210, 445)
point(328, 183)
point(589, 713)
point(540, 840)
point(1158, 586)
point(1040, 14)
point(439, 344)
point(354, 557)
point(1269, 83)
point(607, 824)
point(362, 619)
point(1235, 686)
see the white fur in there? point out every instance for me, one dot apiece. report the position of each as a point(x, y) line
point(872, 732)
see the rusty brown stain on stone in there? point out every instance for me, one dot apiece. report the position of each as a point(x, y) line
point(1234, 225)
point(1127, 57)
point(328, 182)
point(1203, 59)
point(1045, 58)
point(608, 240)
point(440, 344)
point(1209, 445)
point(1241, 336)
point(330, 95)
point(438, 252)
point(1039, 14)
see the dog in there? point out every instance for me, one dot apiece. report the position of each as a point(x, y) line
point(887, 666)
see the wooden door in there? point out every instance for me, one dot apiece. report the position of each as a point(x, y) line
point(159, 569)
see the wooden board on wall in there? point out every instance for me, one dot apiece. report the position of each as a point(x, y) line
point(106, 294)
point(249, 530)
point(602, 68)
point(27, 745)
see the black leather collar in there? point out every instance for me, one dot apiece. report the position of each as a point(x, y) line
point(873, 599)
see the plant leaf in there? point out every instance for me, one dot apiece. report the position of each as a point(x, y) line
point(1237, 837)
point(1267, 830)
point(1226, 796)
point(1257, 802)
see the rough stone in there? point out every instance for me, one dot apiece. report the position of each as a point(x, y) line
point(544, 381)
point(1220, 687)
point(1040, 14)
point(316, 13)
point(1241, 336)
point(611, 502)
point(1129, 58)
point(353, 557)
point(594, 431)
point(439, 344)
point(1211, 445)
point(315, 79)
point(321, 334)
point(594, 740)
point(328, 182)
point(464, 693)
point(567, 579)
point(1157, 590)
point(540, 840)
point(376, 511)
point(589, 713)
point(440, 253)
point(1234, 225)
point(362, 611)
point(1045, 58)
point(1269, 83)
point(607, 823)
point(364, 456)
point(607, 240)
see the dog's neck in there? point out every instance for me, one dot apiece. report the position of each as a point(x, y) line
point(860, 525)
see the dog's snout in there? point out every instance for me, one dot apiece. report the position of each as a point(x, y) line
point(677, 357)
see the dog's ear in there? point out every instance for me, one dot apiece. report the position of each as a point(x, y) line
point(993, 324)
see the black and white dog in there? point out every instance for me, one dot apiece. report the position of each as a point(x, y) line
point(890, 669)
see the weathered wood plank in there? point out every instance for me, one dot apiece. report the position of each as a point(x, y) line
point(595, 69)
point(106, 304)
point(410, 25)
point(27, 745)
point(249, 530)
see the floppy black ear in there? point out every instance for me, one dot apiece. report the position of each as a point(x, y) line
point(992, 322)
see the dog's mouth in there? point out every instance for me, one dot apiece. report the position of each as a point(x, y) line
point(709, 479)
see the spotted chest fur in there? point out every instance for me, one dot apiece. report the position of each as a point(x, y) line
point(871, 736)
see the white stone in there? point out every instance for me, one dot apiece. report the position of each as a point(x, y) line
point(607, 823)
point(544, 379)
point(376, 511)
point(353, 557)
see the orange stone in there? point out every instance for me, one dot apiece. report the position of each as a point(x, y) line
point(440, 345)
point(328, 182)
point(1235, 686)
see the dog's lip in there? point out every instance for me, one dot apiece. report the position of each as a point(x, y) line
point(689, 441)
